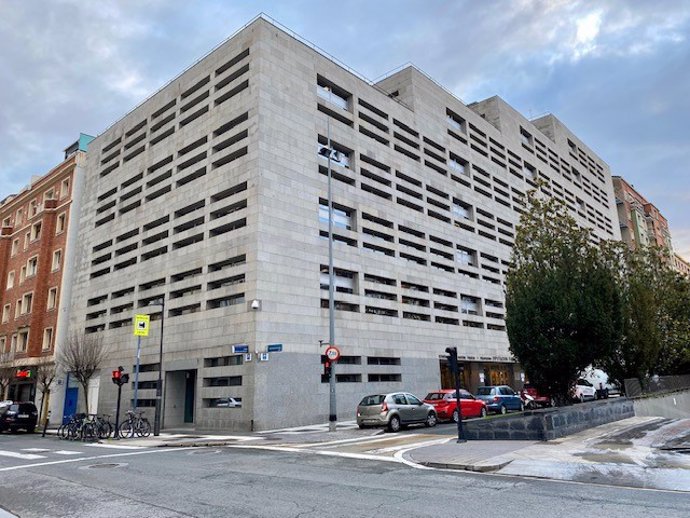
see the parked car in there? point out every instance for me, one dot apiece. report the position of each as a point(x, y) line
point(538, 399)
point(446, 406)
point(584, 391)
point(600, 380)
point(500, 398)
point(394, 411)
point(19, 416)
point(227, 402)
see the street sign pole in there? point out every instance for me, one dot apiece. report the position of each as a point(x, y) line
point(136, 375)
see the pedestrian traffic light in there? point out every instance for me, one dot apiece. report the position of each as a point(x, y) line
point(120, 378)
point(452, 358)
point(124, 379)
point(116, 377)
point(327, 369)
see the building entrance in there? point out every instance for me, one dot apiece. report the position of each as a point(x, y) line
point(180, 398)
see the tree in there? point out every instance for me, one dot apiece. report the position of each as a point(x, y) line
point(655, 326)
point(82, 356)
point(7, 372)
point(562, 306)
point(45, 375)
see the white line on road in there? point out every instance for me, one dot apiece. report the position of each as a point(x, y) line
point(23, 456)
point(362, 456)
point(67, 452)
point(35, 450)
point(413, 445)
point(81, 459)
point(116, 446)
point(361, 440)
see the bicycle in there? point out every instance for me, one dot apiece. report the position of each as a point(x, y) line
point(135, 423)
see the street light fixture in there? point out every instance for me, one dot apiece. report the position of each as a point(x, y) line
point(159, 386)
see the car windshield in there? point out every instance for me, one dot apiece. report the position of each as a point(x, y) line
point(372, 400)
point(484, 391)
point(14, 408)
point(434, 396)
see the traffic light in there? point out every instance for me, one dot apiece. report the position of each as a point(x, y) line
point(327, 369)
point(120, 378)
point(452, 358)
point(116, 377)
point(124, 379)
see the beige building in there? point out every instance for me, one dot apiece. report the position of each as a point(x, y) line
point(212, 194)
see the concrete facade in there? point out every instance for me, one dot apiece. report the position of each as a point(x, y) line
point(212, 194)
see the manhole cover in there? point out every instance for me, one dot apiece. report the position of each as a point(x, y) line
point(105, 465)
point(202, 452)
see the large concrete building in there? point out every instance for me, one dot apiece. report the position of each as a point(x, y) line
point(212, 194)
point(36, 239)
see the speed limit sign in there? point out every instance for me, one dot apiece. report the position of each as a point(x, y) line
point(332, 353)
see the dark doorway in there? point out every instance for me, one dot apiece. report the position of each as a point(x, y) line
point(189, 392)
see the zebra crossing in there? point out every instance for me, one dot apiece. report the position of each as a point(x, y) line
point(46, 453)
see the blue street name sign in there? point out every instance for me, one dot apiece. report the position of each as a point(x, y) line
point(274, 348)
point(240, 349)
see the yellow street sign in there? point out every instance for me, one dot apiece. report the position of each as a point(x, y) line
point(141, 325)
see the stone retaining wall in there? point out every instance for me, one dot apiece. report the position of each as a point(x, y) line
point(550, 423)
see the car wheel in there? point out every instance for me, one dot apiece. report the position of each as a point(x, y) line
point(394, 424)
point(503, 409)
point(483, 412)
point(455, 415)
point(362, 426)
point(431, 420)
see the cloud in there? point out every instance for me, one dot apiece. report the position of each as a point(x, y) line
point(616, 72)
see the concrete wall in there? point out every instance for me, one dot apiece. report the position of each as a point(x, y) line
point(550, 423)
point(674, 405)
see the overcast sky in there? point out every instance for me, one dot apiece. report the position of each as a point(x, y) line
point(617, 73)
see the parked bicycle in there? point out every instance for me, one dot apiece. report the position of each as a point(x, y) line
point(135, 424)
point(86, 427)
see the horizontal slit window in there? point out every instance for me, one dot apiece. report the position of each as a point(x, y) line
point(158, 193)
point(229, 209)
point(198, 85)
point(189, 225)
point(228, 263)
point(154, 253)
point(237, 73)
point(239, 57)
point(228, 281)
point(191, 177)
point(230, 125)
point(232, 93)
point(228, 227)
point(188, 241)
point(231, 157)
point(194, 116)
point(224, 302)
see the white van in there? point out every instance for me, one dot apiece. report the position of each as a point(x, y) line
point(600, 380)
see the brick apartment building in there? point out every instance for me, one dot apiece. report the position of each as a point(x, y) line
point(34, 255)
point(681, 265)
point(640, 221)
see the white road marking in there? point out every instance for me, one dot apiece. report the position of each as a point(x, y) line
point(345, 425)
point(35, 450)
point(358, 440)
point(82, 459)
point(287, 449)
point(67, 452)
point(23, 456)
point(409, 446)
point(115, 446)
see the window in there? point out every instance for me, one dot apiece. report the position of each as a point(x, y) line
point(7, 222)
point(458, 164)
point(49, 194)
point(10, 280)
point(57, 260)
point(455, 121)
point(344, 280)
point(338, 156)
point(18, 309)
point(34, 207)
point(3, 344)
point(465, 256)
point(61, 222)
point(27, 301)
point(52, 298)
point(64, 188)
point(47, 339)
point(22, 341)
point(32, 266)
point(529, 172)
point(469, 305)
point(22, 274)
point(525, 137)
point(461, 209)
point(36, 231)
point(6, 313)
point(333, 94)
point(13, 343)
point(342, 216)
point(15, 247)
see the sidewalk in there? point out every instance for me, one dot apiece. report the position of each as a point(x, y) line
point(634, 452)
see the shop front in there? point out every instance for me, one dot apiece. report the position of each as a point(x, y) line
point(482, 372)
point(23, 386)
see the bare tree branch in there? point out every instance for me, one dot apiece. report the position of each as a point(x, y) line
point(82, 356)
point(7, 372)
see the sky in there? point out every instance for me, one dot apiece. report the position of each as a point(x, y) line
point(616, 72)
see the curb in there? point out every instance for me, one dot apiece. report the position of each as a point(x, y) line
point(476, 468)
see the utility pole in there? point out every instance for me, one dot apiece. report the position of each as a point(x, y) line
point(332, 415)
point(453, 363)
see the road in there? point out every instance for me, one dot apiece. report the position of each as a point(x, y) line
point(53, 478)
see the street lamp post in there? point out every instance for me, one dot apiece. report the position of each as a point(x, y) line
point(159, 386)
point(332, 414)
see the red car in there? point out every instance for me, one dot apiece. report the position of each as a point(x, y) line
point(446, 405)
point(538, 399)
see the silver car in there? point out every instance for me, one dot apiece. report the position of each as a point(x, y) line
point(394, 411)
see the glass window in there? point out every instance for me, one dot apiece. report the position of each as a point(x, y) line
point(338, 157)
point(342, 218)
point(412, 400)
point(327, 93)
point(10, 280)
point(399, 399)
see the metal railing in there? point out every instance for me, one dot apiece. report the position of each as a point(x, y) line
point(656, 384)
